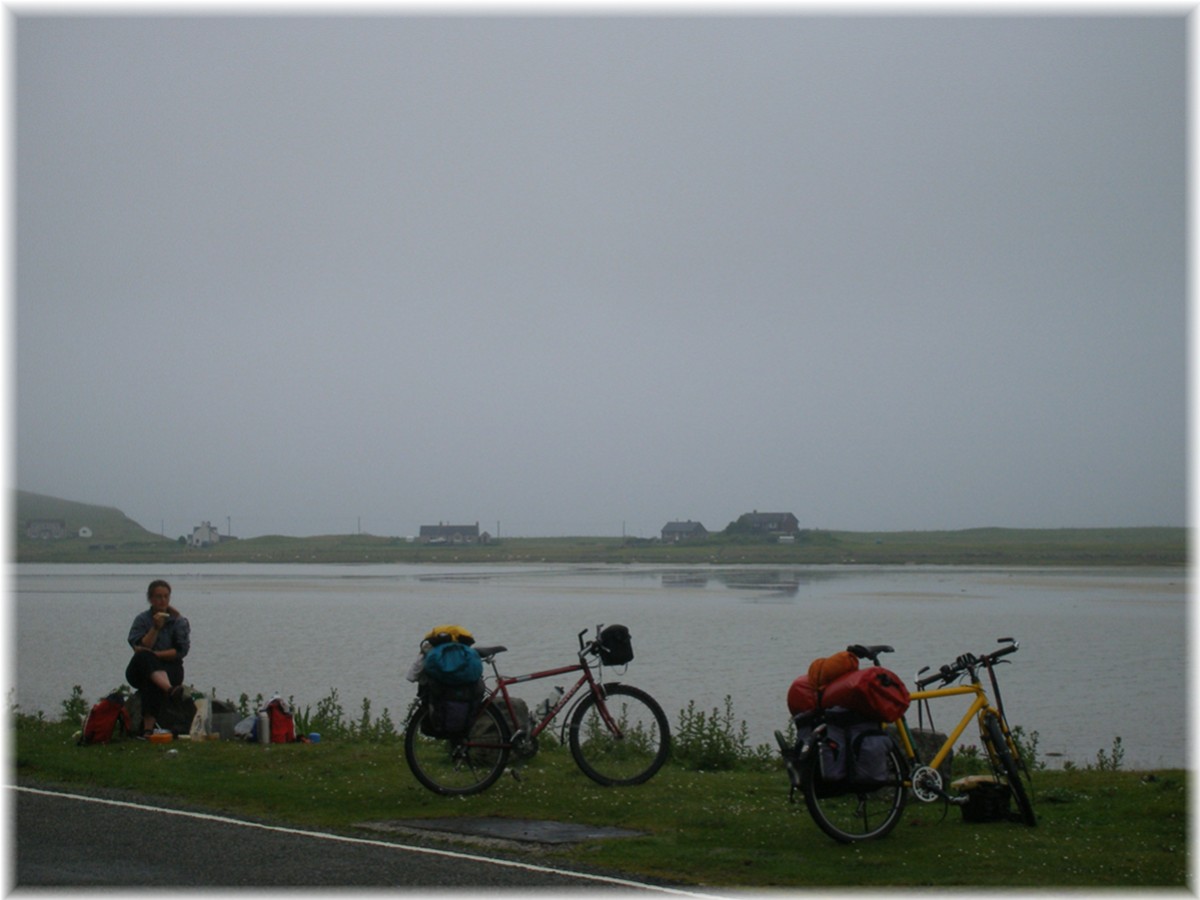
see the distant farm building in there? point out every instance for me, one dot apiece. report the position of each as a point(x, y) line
point(677, 532)
point(769, 523)
point(452, 534)
point(45, 529)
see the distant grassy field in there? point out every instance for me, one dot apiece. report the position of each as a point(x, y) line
point(116, 538)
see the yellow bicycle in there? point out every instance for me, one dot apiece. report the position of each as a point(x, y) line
point(852, 809)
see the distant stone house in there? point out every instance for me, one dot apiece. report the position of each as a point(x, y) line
point(770, 523)
point(677, 532)
point(452, 534)
point(45, 529)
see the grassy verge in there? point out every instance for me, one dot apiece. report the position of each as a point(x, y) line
point(730, 827)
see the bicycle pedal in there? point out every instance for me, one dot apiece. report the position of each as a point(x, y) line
point(515, 774)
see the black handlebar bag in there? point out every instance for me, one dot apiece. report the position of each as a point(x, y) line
point(616, 646)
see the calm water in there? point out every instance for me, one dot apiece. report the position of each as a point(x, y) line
point(1103, 651)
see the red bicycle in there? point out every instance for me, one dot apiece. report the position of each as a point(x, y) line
point(618, 734)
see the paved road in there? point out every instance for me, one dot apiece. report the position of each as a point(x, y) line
point(101, 841)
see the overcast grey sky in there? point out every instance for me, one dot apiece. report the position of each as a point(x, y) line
point(578, 275)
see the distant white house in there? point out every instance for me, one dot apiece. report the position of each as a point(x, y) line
point(453, 534)
point(204, 535)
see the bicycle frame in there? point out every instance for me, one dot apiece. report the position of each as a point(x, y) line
point(503, 682)
point(586, 678)
point(979, 705)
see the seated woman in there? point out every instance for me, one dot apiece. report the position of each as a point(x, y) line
point(160, 638)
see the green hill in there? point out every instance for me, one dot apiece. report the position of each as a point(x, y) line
point(73, 528)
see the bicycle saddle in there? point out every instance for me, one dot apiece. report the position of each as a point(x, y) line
point(488, 652)
point(870, 651)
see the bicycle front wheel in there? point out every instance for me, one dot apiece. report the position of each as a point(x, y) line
point(458, 766)
point(857, 813)
point(1005, 755)
point(622, 739)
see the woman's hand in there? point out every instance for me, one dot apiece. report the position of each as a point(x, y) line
point(160, 619)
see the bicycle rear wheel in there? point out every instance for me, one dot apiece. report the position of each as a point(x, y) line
point(848, 814)
point(458, 766)
point(631, 753)
point(1005, 757)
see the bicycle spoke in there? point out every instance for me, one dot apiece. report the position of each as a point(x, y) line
point(626, 747)
point(849, 814)
point(458, 765)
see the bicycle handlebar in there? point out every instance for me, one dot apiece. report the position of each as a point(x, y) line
point(589, 647)
point(968, 662)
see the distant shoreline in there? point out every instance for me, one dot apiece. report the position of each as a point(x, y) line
point(981, 546)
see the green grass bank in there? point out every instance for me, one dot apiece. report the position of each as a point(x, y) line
point(730, 827)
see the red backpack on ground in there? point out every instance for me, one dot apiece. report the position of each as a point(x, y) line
point(283, 726)
point(104, 719)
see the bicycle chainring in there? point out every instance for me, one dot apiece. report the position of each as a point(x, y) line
point(524, 746)
point(927, 784)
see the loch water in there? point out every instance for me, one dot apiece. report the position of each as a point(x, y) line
point(1104, 651)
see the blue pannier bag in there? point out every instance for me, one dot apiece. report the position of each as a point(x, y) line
point(453, 663)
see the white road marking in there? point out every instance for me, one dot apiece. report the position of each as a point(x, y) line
point(325, 836)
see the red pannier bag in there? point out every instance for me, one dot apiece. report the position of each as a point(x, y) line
point(805, 691)
point(801, 697)
point(875, 692)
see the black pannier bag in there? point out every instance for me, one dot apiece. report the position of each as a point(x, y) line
point(451, 708)
point(616, 646)
point(987, 801)
point(855, 751)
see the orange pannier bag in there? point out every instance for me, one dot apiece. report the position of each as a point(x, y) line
point(829, 669)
